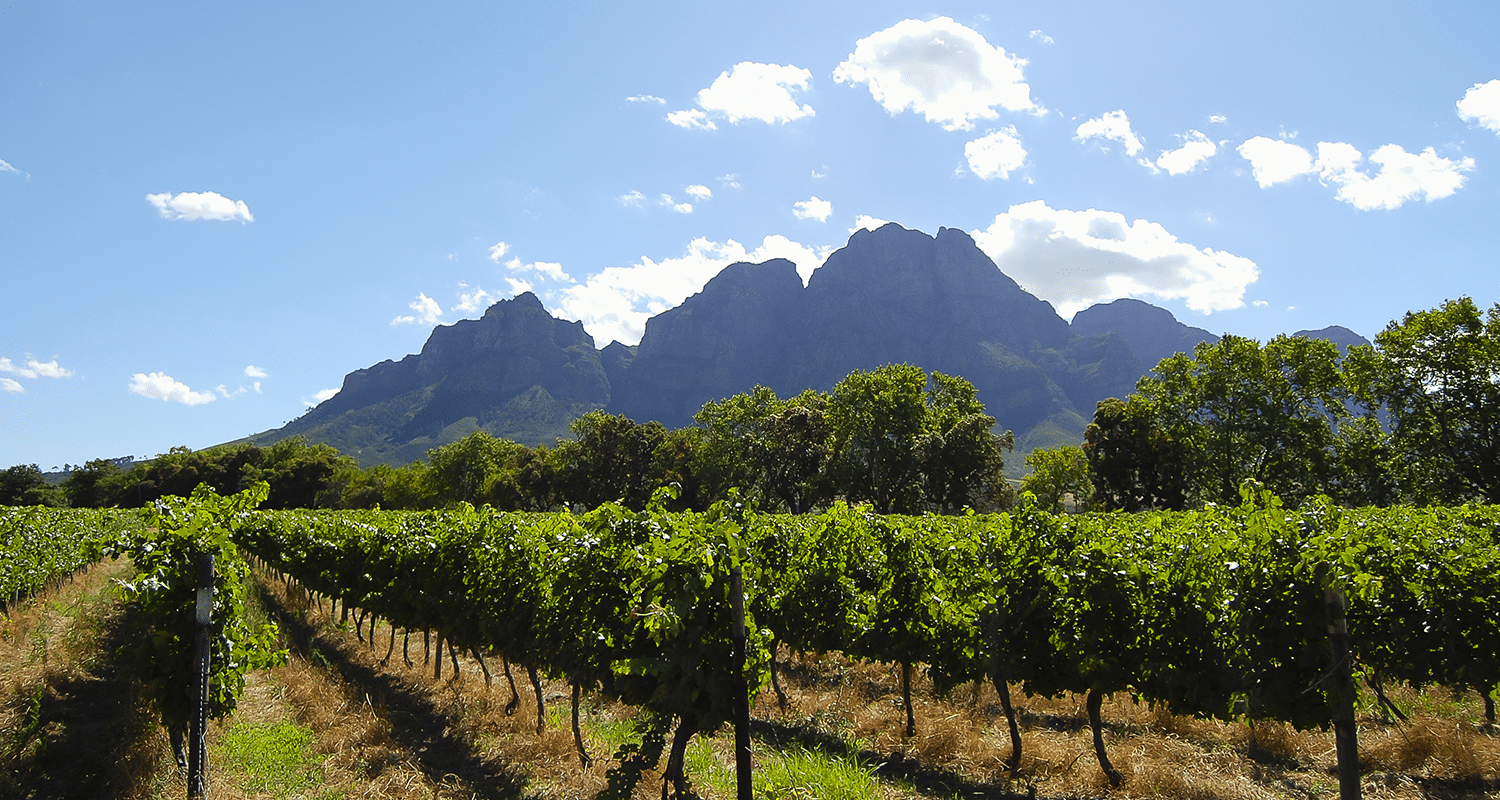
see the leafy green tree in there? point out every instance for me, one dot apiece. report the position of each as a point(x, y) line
point(1135, 463)
point(528, 481)
point(409, 487)
point(23, 485)
point(1435, 373)
point(904, 443)
point(609, 459)
point(461, 472)
point(301, 475)
point(1056, 472)
point(88, 486)
point(1246, 411)
point(1367, 473)
point(960, 455)
point(874, 421)
point(774, 449)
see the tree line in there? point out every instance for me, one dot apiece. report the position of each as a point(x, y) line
point(1412, 419)
point(895, 437)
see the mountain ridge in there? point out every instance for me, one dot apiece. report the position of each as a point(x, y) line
point(890, 295)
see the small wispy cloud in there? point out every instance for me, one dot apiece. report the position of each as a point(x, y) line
point(253, 371)
point(681, 208)
point(646, 98)
point(631, 198)
point(319, 396)
point(498, 251)
point(1042, 37)
point(692, 119)
point(36, 369)
point(699, 192)
point(426, 311)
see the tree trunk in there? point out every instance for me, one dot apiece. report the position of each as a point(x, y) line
point(485, 668)
point(515, 696)
point(437, 663)
point(405, 642)
point(583, 754)
point(1489, 708)
point(776, 682)
point(1013, 762)
point(675, 775)
point(541, 708)
point(390, 648)
point(453, 657)
point(1095, 700)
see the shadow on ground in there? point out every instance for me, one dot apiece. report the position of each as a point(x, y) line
point(418, 725)
point(86, 734)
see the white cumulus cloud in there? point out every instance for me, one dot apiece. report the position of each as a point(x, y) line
point(1273, 161)
point(763, 92)
point(645, 98)
point(498, 251)
point(940, 69)
point(699, 192)
point(11, 385)
point(1114, 126)
point(253, 371)
point(36, 369)
point(997, 154)
point(1403, 176)
point(812, 208)
point(160, 386)
point(692, 119)
point(1075, 259)
point(681, 208)
point(427, 311)
point(518, 286)
point(1196, 149)
point(1481, 104)
point(200, 205)
point(615, 303)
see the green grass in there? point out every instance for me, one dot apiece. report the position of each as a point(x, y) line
point(792, 774)
point(273, 758)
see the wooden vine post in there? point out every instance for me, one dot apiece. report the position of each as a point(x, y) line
point(197, 779)
point(1345, 740)
point(743, 766)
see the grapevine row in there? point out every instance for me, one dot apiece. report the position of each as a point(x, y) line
point(1217, 613)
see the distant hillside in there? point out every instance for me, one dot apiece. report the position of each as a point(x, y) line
point(889, 296)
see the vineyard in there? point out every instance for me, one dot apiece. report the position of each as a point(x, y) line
point(1219, 615)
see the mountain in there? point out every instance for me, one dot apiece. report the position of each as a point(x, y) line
point(889, 296)
point(1153, 333)
point(1339, 335)
point(517, 373)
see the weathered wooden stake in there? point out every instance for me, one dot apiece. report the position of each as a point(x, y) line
point(743, 762)
point(197, 780)
point(1345, 739)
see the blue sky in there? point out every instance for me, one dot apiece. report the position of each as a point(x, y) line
point(209, 213)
